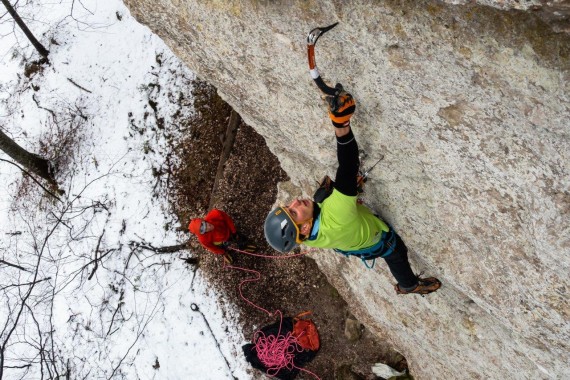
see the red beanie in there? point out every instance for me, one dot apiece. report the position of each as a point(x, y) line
point(194, 226)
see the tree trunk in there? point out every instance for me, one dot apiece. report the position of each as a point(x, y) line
point(39, 47)
point(229, 139)
point(34, 163)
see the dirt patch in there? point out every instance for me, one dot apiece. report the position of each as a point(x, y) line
point(247, 191)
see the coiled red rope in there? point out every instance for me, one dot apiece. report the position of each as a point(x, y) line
point(276, 352)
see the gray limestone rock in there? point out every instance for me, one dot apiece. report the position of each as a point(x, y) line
point(352, 329)
point(344, 372)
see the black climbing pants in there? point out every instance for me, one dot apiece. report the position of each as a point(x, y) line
point(400, 266)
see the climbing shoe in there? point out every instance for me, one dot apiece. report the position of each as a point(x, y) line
point(425, 286)
point(249, 248)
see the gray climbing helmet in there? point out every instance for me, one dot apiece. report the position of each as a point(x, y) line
point(281, 232)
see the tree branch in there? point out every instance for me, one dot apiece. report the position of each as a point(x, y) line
point(78, 86)
point(115, 313)
point(95, 259)
point(166, 249)
point(32, 177)
point(25, 284)
point(13, 265)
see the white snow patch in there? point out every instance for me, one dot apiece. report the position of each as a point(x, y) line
point(128, 316)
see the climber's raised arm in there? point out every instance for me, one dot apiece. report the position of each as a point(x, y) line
point(341, 109)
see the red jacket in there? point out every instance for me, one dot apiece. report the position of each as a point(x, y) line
point(223, 228)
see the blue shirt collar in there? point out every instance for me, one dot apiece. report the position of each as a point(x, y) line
point(315, 229)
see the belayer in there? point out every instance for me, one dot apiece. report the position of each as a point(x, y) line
point(339, 221)
point(217, 233)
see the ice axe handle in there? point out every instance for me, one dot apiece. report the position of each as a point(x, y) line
point(311, 42)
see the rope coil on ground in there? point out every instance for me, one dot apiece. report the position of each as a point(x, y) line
point(274, 351)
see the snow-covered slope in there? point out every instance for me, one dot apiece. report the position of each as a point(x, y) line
point(135, 314)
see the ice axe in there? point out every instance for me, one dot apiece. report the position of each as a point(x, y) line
point(311, 42)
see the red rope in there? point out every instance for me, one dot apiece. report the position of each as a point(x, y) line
point(274, 351)
point(273, 256)
point(278, 351)
point(257, 276)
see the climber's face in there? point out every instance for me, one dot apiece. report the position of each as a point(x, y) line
point(206, 227)
point(301, 210)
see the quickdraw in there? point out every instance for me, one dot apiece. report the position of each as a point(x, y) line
point(311, 42)
point(363, 175)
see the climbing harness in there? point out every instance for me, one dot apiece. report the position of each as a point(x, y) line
point(383, 248)
point(311, 42)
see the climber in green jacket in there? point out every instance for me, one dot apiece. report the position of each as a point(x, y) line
point(340, 222)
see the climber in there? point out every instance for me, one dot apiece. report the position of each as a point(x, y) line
point(217, 232)
point(340, 222)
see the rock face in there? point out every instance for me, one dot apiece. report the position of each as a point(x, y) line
point(471, 107)
point(555, 13)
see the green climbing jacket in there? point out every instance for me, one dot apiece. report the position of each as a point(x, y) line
point(345, 225)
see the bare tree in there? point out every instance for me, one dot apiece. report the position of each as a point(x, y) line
point(72, 234)
point(32, 162)
point(34, 41)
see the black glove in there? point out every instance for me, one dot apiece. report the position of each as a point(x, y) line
point(341, 108)
point(236, 238)
point(242, 243)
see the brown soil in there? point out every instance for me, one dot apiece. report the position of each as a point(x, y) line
point(246, 191)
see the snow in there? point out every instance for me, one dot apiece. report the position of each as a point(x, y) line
point(138, 308)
